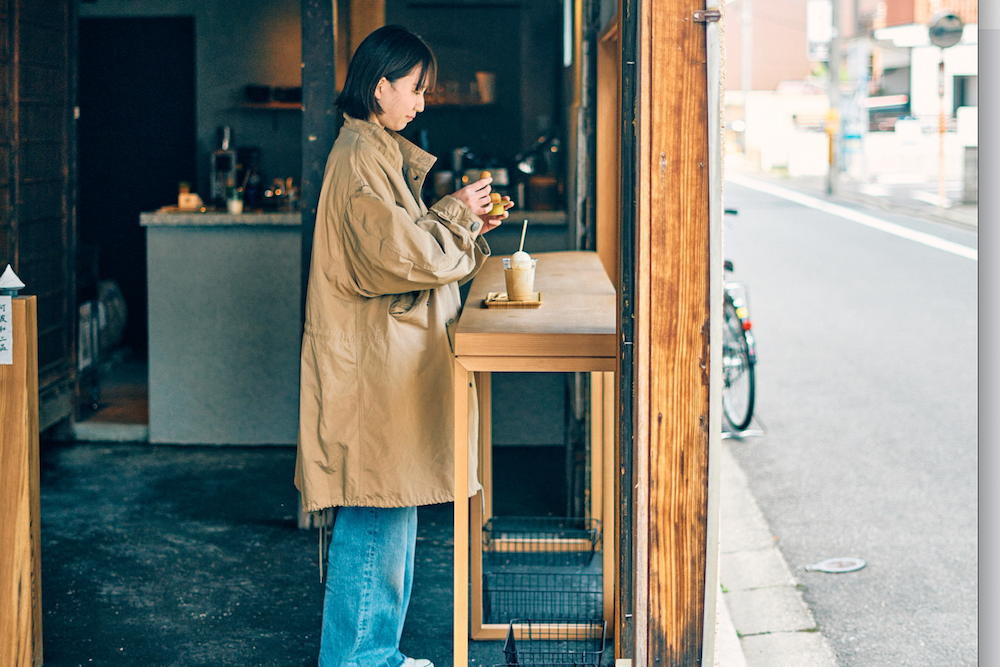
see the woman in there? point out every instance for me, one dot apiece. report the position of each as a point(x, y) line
point(376, 422)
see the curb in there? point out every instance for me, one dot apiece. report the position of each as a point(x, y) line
point(773, 623)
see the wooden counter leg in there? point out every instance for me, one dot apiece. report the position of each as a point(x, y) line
point(602, 482)
point(482, 505)
point(597, 444)
point(484, 387)
point(610, 564)
point(461, 581)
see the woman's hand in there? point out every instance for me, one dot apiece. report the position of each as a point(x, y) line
point(491, 222)
point(477, 196)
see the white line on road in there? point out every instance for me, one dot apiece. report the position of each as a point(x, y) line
point(855, 216)
point(929, 198)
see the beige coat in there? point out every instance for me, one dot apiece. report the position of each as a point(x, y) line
point(376, 407)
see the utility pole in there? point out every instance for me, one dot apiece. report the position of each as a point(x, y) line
point(944, 31)
point(746, 50)
point(833, 117)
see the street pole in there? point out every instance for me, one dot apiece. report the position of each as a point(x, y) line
point(941, 129)
point(945, 30)
point(833, 66)
point(746, 50)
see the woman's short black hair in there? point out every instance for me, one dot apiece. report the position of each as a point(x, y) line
point(392, 52)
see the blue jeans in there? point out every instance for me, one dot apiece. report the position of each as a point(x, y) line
point(368, 586)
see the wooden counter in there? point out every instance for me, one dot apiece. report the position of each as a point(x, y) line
point(575, 329)
point(575, 322)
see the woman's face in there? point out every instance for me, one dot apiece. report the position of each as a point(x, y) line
point(401, 100)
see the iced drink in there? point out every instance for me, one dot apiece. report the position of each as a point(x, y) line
point(520, 277)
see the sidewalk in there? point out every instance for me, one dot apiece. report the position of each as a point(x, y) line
point(771, 624)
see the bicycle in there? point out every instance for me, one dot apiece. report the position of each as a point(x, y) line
point(739, 355)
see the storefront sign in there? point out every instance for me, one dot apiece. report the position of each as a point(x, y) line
point(819, 29)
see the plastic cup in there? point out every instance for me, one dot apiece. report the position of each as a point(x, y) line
point(520, 279)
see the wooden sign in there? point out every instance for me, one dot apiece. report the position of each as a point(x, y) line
point(6, 331)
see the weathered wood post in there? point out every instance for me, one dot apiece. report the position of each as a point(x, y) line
point(671, 269)
point(20, 527)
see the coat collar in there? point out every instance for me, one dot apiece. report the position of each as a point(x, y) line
point(399, 151)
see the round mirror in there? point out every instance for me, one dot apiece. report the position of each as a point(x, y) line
point(945, 29)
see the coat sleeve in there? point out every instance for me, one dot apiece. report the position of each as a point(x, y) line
point(388, 252)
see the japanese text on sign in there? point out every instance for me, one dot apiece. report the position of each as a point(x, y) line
point(6, 332)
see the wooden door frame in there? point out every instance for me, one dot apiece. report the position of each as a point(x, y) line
point(670, 266)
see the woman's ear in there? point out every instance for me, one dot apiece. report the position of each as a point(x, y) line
point(378, 87)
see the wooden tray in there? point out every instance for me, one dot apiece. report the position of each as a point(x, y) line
point(499, 300)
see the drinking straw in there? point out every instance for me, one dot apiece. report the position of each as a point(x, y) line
point(524, 228)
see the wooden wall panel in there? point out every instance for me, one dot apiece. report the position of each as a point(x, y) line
point(7, 248)
point(37, 232)
point(42, 81)
point(608, 161)
point(41, 199)
point(6, 150)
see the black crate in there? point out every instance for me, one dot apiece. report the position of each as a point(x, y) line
point(554, 643)
point(565, 596)
point(515, 542)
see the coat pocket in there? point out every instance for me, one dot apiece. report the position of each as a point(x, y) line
point(410, 307)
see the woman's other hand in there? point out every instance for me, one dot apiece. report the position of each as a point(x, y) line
point(491, 222)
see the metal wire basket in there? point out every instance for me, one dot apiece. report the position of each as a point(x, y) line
point(568, 597)
point(539, 541)
point(554, 643)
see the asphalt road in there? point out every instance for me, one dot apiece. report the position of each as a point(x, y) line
point(867, 385)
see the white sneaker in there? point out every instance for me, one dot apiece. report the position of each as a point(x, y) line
point(419, 662)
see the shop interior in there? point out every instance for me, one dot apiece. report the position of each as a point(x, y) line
point(172, 100)
point(163, 97)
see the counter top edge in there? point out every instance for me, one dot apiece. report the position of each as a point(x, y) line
point(195, 219)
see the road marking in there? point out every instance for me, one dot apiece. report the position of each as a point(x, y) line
point(929, 198)
point(874, 190)
point(860, 218)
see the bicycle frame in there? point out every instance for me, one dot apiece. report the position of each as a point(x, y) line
point(737, 292)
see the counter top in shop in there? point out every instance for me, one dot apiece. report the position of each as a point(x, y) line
point(170, 216)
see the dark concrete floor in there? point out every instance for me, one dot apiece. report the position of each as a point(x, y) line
point(175, 556)
point(188, 556)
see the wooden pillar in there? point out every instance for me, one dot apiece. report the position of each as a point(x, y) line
point(329, 38)
point(20, 534)
point(319, 117)
point(672, 315)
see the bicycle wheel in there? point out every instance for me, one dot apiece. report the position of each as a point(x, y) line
point(737, 371)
